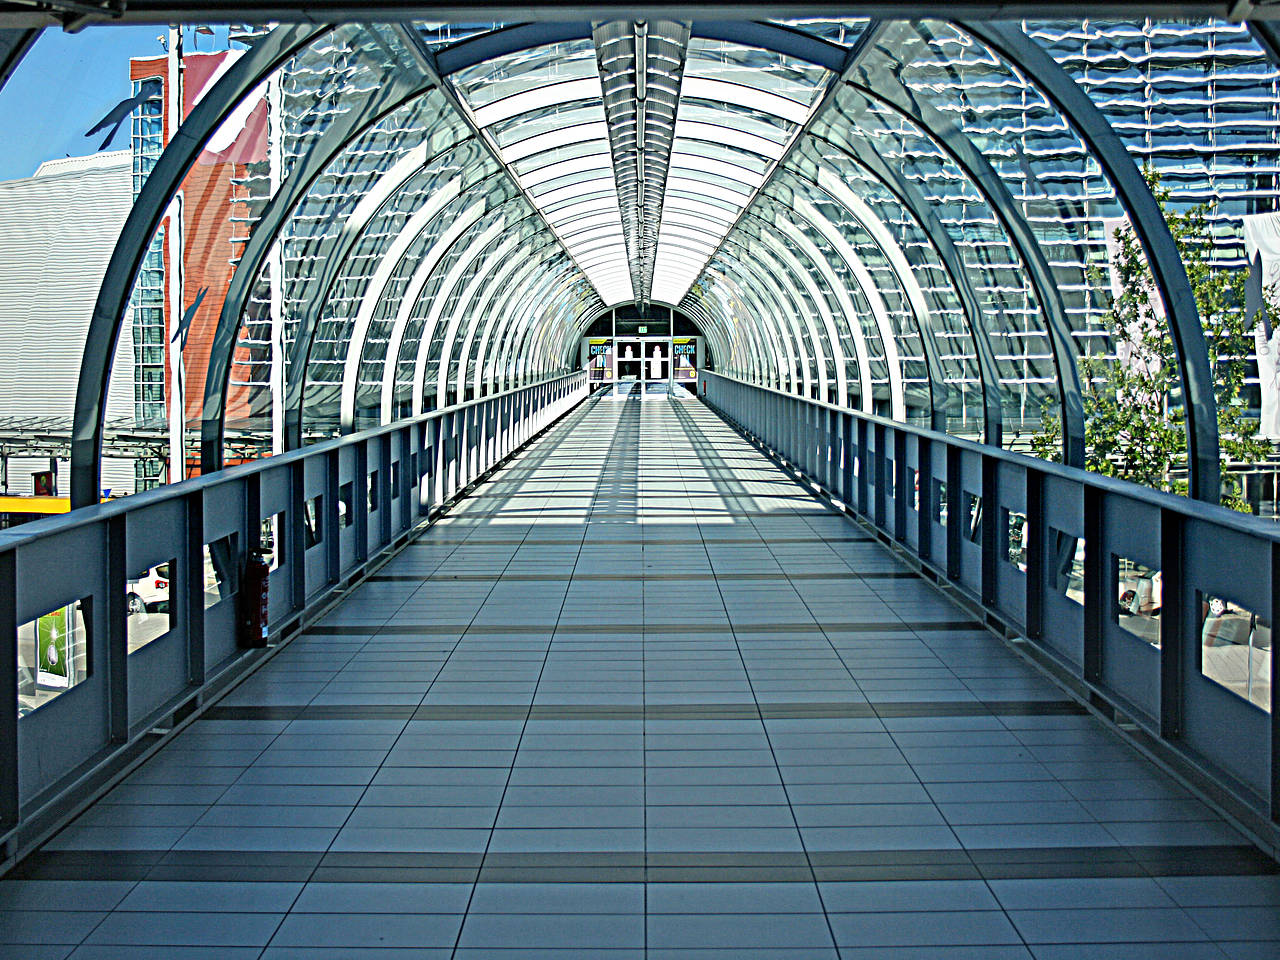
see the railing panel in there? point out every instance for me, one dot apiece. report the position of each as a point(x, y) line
point(71, 723)
point(1011, 541)
point(1160, 606)
point(1227, 665)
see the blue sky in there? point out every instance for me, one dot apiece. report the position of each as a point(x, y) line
point(65, 85)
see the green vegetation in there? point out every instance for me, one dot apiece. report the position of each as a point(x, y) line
point(1134, 420)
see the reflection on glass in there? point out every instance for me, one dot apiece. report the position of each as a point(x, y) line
point(1066, 564)
point(1139, 599)
point(1235, 649)
point(148, 599)
point(1016, 533)
point(221, 569)
point(53, 655)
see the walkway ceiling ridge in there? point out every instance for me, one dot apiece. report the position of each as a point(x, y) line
point(484, 136)
point(853, 55)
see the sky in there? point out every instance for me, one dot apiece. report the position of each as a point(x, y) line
point(65, 85)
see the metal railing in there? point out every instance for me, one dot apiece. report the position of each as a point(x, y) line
point(324, 513)
point(1155, 607)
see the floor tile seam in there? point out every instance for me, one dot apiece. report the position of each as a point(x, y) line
point(525, 724)
point(911, 766)
point(364, 791)
point(777, 767)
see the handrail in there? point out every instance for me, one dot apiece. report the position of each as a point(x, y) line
point(1156, 610)
point(335, 510)
point(97, 512)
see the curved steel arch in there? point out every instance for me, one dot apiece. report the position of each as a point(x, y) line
point(1170, 275)
point(913, 200)
point(497, 43)
point(901, 269)
point(254, 66)
point(943, 131)
point(754, 344)
point(779, 39)
point(345, 129)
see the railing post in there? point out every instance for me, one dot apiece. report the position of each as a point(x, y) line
point(331, 538)
point(991, 528)
point(1173, 639)
point(878, 460)
point(191, 574)
point(117, 620)
point(864, 468)
point(361, 485)
point(1095, 606)
point(901, 494)
point(1037, 539)
point(847, 452)
point(926, 508)
point(1275, 681)
point(384, 494)
point(956, 523)
point(9, 799)
point(297, 540)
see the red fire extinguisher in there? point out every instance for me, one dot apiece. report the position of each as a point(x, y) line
point(255, 595)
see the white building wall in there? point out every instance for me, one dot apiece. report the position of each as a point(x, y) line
point(57, 231)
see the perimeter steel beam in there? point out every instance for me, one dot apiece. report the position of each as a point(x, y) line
point(257, 63)
point(35, 13)
point(1165, 262)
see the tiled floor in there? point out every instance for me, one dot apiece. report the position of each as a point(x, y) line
point(642, 696)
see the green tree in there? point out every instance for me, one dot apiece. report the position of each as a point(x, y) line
point(1134, 421)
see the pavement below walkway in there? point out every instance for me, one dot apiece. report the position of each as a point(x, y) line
point(643, 696)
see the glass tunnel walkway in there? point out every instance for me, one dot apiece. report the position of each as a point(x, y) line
point(643, 695)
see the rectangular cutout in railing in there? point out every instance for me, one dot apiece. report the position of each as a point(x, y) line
point(372, 493)
point(312, 530)
point(53, 654)
point(1014, 525)
point(346, 505)
point(1064, 557)
point(940, 501)
point(973, 515)
point(149, 606)
point(1235, 649)
point(1139, 598)
point(395, 480)
point(271, 543)
point(221, 570)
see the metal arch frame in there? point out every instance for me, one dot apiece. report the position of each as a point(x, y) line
point(495, 326)
point(275, 215)
point(474, 209)
point(563, 329)
point(513, 330)
point(784, 40)
point(783, 325)
point(535, 354)
point(742, 350)
point(746, 339)
point(870, 293)
point(529, 321)
point(984, 177)
point(15, 44)
point(1266, 36)
point(778, 329)
point(410, 297)
point(482, 235)
point(336, 251)
point(768, 231)
point(772, 344)
point(912, 200)
point(480, 331)
point(1167, 268)
point(376, 286)
point(144, 218)
point(882, 239)
point(798, 321)
point(506, 40)
point(462, 310)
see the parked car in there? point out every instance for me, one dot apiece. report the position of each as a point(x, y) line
point(149, 590)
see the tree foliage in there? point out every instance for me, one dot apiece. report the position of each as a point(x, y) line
point(1135, 424)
